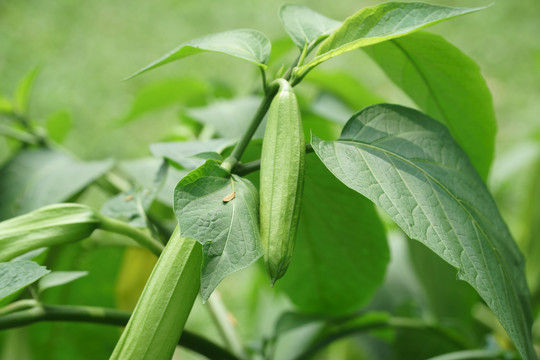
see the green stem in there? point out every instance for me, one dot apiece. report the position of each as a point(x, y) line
point(481, 354)
point(17, 134)
point(396, 323)
point(221, 318)
point(119, 227)
point(252, 166)
point(230, 162)
point(105, 316)
point(17, 306)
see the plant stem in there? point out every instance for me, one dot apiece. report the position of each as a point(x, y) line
point(230, 162)
point(221, 317)
point(119, 227)
point(249, 167)
point(105, 316)
point(481, 354)
point(396, 323)
point(17, 306)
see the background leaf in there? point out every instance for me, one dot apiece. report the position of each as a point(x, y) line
point(16, 275)
point(228, 231)
point(304, 25)
point(183, 153)
point(447, 85)
point(247, 44)
point(409, 165)
point(229, 117)
point(165, 93)
point(380, 23)
point(58, 278)
point(34, 178)
point(24, 90)
point(341, 252)
point(143, 172)
point(58, 125)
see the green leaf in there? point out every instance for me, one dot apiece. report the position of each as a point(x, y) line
point(380, 23)
point(17, 275)
point(183, 153)
point(447, 85)
point(166, 93)
point(58, 278)
point(409, 165)
point(228, 230)
point(51, 225)
point(23, 91)
point(305, 26)
point(341, 252)
point(5, 105)
point(447, 297)
point(346, 87)
point(34, 178)
point(131, 206)
point(229, 118)
point(143, 172)
point(246, 44)
point(58, 125)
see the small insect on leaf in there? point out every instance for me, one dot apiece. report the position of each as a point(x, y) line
point(129, 198)
point(229, 197)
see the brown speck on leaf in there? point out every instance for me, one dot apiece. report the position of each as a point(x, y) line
point(229, 197)
point(128, 198)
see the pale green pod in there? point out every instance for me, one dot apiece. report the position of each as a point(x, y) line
point(50, 225)
point(163, 308)
point(282, 180)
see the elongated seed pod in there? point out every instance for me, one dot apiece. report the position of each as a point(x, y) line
point(48, 226)
point(282, 180)
point(162, 310)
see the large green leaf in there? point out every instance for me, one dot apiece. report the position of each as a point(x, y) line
point(409, 165)
point(16, 275)
point(228, 230)
point(341, 251)
point(305, 26)
point(380, 23)
point(447, 85)
point(34, 178)
point(246, 44)
point(166, 93)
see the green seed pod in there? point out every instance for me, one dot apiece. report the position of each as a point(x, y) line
point(282, 180)
point(50, 225)
point(162, 310)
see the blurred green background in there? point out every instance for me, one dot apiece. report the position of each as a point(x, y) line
point(85, 49)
